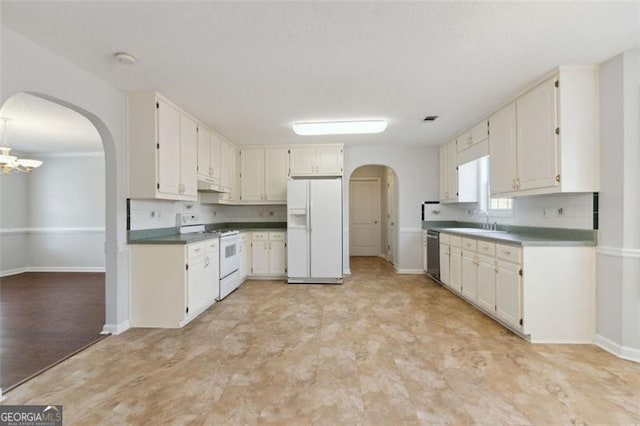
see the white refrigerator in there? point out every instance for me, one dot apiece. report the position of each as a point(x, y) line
point(314, 231)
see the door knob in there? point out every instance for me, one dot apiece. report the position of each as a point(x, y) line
point(375, 222)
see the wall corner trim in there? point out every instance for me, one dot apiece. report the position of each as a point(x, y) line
point(618, 252)
point(115, 329)
point(624, 352)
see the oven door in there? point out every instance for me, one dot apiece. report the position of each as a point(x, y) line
point(229, 260)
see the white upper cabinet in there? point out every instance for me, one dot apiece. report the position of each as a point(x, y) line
point(557, 139)
point(229, 172)
point(162, 149)
point(263, 174)
point(209, 173)
point(456, 185)
point(316, 160)
point(443, 174)
point(502, 150)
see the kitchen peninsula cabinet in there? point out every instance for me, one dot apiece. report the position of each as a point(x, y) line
point(162, 144)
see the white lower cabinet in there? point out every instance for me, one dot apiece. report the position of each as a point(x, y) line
point(268, 254)
point(545, 293)
point(172, 283)
point(244, 254)
point(424, 251)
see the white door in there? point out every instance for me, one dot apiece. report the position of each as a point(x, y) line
point(444, 264)
point(168, 148)
point(329, 160)
point(252, 174)
point(215, 159)
point(469, 275)
point(487, 283)
point(455, 269)
point(325, 230)
point(508, 305)
point(276, 172)
point(536, 124)
point(502, 150)
point(298, 228)
point(259, 257)
point(444, 195)
point(364, 217)
point(391, 216)
point(302, 161)
point(204, 153)
point(189, 156)
point(277, 259)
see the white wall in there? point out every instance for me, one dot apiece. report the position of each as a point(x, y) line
point(149, 214)
point(28, 67)
point(416, 168)
point(57, 219)
point(618, 253)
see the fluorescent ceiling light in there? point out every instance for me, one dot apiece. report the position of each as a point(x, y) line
point(340, 127)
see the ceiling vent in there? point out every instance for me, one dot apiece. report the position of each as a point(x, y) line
point(430, 118)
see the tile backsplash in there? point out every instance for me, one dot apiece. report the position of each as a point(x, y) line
point(149, 214)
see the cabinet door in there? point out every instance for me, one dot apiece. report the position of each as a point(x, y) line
point(329, 160)
point(197, 288)
point(508, 300)
point(469, 275)
point(252, 174)
point(452, 170)
point(277, 258)
point(302, 161)
point(242, 256)
point(259, 258)
point(502, 150)
point(486, 283)
point(276, 172)
point(234, 193)
point(464, 141)
point(214, 275)
point(444, 264)
point(168, 148)
point(537, 149)
point(424, 251)
point(215, 160)
point(479, 132)
point(204, 153)
point(455, 269)
point(189, 156)
point(443, 173)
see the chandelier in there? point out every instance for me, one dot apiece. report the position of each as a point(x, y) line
point(11, 163)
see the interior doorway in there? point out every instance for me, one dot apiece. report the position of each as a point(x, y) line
point(372, 212)
point(52, 238)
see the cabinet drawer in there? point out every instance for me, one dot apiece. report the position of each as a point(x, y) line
point(469, 244)
point(455, 241)
point(488, 249)
point(277, 236)
point(509, 253)
point(444, 238)
point(211, 246)
point(445, 249)
point(259, 236)
point(195, 250)
point(244, 237)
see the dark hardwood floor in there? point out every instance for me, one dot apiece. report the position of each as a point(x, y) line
point(44, 318)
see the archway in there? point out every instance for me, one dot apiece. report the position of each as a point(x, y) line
point(93, 240)
point(373, 212)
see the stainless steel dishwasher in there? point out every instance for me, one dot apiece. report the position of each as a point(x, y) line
point(433, 254)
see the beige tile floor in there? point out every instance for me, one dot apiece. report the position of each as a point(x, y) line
point(380, 349)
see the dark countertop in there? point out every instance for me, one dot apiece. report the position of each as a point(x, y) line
point(172, 235)
point(519, 235)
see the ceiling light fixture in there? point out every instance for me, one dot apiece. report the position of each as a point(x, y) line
point(11, 163)
point(340, 127)
point(125, 58)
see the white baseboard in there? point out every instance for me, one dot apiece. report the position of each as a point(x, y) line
point(9, 272)
point(409, 271)
point(624, 352)
point(115, 328)
point(17, 271)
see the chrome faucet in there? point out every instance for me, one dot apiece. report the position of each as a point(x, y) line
point(486, 224)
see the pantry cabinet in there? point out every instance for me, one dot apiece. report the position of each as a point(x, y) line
point(263, 175)
point(316, 160)
point(268, 254)
point(556, 143)
point(162, 149)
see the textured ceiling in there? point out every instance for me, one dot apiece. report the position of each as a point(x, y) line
point(251, 69)
point(38, 125)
